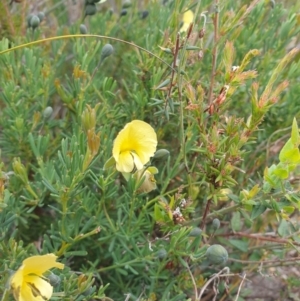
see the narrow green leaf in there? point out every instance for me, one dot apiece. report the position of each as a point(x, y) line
point(257, 211)
point(236, 221)
point(163, 84)
point(295, 133)
point(239, 244)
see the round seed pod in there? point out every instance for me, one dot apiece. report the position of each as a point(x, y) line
point(123, 12)
point(29, 19)
point(195, 232)
point(47, 113)
point(41, 16)
point(161, 254)
point(34, 22)
point(54, 279)
point(83, 29)
point(161, 153)
point(126, 4)
point(216, 254)
point(90, 9)
point(106, 51)
point(216, 223)
point(144, 14)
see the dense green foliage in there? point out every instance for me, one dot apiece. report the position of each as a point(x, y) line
point(221, 97)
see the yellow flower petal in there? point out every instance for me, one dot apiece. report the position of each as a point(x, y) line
point(134, 146)
point(35, 288)
point(40, 264)
point(27, 283)
point(125, 162)
point(187, 19)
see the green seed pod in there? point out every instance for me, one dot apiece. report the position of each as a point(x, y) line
point(54, 280)
point(34, 22)
point(123, 12)
point(216, 254)
point(216, 223)
point(47, 113)
point(106, 51)
point(195, 232)
point(144, 14)
point(83, 29)
point(161, 254)
point(41, 16)
point(126, 4)
point(161, 153)
point(90, 9)
point(29, 19)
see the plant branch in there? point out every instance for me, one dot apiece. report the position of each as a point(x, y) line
point(214, 53)
point(260, 237)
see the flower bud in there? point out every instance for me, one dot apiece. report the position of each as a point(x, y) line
point(47, 113)
point(41, 16)
point(20, 170)
point(34, 22)
point(216, 223)
point(195, 232)
point(147, 176)
point(106, 51)
point(83, 29)
point(201, 33)
point(90, 9)
point(19, 122)
point(161, 153)
point(216, 254)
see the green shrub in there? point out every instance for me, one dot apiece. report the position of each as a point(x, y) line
point(221, 98)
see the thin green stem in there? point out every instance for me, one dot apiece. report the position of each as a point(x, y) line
point(5, 296)
point(119, 265)
point(33, 43)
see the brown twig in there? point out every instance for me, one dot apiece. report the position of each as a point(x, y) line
point(260, 237)
point(212, 279)
point(265, 261)
point(240, 286)
point(205, 213)
point(175, 56)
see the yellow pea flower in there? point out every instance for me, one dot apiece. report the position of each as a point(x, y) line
point(187, 19)
point(28, 283)
point(134, 146)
